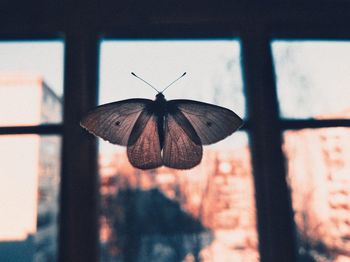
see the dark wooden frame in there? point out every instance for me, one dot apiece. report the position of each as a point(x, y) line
point(83, 23)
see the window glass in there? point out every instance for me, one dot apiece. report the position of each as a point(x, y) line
point(205, 213)
point(31, 82)
point(29, 195)
point(319, 176)
point(313, 78)
point(213, 71)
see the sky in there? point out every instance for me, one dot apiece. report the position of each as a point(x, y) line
point(313, 78)
point(42, 58)
point(213, 71)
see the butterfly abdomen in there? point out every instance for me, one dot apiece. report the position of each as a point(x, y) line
point(159, 109)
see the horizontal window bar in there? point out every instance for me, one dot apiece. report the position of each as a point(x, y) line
point(284, 124)
point(32, 34)
point(310, 123)
point(41, 129)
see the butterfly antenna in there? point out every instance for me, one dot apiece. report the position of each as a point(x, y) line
point(144, 81)
point(173, 82)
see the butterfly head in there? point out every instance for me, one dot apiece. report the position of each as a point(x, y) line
point(160, 97)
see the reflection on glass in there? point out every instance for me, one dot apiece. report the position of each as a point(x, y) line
point(203, 214)
point(29, 191)
point(31, 83)
point(313, 78)
point(319, 176)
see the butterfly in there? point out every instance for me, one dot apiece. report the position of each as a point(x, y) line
point(161, 132)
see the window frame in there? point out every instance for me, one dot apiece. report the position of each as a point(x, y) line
point(82, 24)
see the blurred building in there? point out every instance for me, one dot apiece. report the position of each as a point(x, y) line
point(30, 170)
point(319, 176)
point(218, 194)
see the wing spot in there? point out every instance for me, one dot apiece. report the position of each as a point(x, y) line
point(117, 123)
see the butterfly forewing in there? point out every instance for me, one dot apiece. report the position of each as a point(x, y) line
point(144, 149)
point(114, 122)
point(181, 148)
point(212, 123)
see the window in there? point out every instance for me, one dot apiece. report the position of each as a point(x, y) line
point(312, 79)
point(206, 213)
point(31, 85)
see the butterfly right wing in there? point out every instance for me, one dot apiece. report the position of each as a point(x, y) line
point(144, 150)
point(182, 146)
point(212, 123)
point(114, 121)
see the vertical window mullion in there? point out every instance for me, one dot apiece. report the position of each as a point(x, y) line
point(275, 223)
point(79, 194)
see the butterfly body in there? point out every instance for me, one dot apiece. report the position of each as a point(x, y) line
point(159, 108)
point(162, 132)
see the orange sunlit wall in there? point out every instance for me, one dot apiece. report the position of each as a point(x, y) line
point(18, 186)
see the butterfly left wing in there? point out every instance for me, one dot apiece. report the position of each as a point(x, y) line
point(212, 123)
point(114, 121)
point(182, 146)
point(144, 150)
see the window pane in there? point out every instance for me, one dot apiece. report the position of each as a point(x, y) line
point(164, 214)
point(29, 191)
point(213, 71)
point(206, 212)
point(313, 78)
point(319, 176)
point(31, 82)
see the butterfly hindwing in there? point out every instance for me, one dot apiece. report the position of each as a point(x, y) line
point(114, 121)
point(212, 123)
point(144, 150)
point(182, 148)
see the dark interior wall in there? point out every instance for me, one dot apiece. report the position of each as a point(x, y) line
point(43, 15)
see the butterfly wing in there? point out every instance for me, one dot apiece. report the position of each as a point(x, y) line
point(212, 123)
point(114, 122)
point(182, 146)
point(144, 150)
